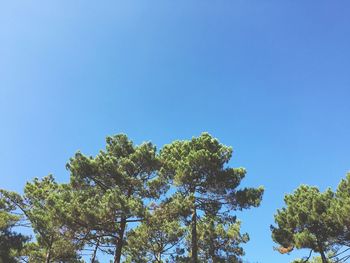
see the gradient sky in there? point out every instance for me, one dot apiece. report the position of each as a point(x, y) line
point(270, 78)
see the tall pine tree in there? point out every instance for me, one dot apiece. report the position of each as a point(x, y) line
point(199, 170)
point(116, 182)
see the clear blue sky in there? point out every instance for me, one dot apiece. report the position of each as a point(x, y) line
point(270, 78)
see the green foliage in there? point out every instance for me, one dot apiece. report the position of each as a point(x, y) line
point(134, 203)
point(318, 259)
point(198, 168)
point(111, 189)
point(315, 220)
point(158, 235)
point(38, 205)
point(11, 243)
point(62, 250)
point(341, 210)
point(306, 221)
point(219, 240)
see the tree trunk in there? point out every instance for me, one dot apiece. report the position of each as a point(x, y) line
point(121, 231)
point(119, 243)
point(48, 256)
point(212, 240)
point(93, 258)
point(321, 251)
point(194, 243)
point(48, 253)
point(323, 257)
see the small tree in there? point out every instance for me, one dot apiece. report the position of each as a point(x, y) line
point(307, 222)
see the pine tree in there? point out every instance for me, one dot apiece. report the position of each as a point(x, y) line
point(114, 186)
point(11, 243)
point(52, 240)
point(199, 170)
point(307, 222)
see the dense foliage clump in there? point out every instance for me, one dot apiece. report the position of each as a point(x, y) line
point(315, 220)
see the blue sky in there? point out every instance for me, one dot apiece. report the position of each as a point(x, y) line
point(270, 78)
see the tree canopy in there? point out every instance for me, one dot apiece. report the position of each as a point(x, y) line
point(199, 171)
point(134, 203)
point(315, 220)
